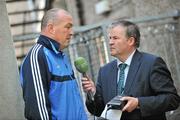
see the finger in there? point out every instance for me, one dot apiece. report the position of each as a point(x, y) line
point(84, 79)
point(86, 82)
point(125, 98)
point(87, 85)
point(86, 89)
point(125, 107)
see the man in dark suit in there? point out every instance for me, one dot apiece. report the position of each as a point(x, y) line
point(146, 84)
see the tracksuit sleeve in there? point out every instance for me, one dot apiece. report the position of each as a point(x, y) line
point(35, 78)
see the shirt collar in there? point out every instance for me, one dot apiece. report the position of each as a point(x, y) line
point(128, 61)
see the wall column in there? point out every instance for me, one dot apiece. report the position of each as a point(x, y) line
point(11, 102)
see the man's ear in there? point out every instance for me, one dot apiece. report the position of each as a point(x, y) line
point(51, 28)
point(131, 41)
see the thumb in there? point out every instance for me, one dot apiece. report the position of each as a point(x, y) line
point(126, 98)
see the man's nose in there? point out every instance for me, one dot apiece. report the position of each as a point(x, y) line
point(71, 32)
point(110, 41)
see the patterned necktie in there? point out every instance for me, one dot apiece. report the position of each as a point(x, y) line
point(122, 67)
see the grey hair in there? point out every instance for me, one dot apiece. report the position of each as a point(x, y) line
point(51, 15)
point(132, 30)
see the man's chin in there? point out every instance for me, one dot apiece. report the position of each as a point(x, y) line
point(67, 44)
point(112, 54)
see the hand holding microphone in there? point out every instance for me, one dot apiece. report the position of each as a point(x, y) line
point(88, 85)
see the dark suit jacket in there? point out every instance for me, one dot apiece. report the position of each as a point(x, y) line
point(148, 79)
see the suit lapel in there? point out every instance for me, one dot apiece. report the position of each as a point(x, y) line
point(113, 73)
point(134, 67)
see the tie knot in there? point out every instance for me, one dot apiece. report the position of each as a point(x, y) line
point(122, 66)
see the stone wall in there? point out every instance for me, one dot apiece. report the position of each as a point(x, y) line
point(122, 9)
point(160, 37)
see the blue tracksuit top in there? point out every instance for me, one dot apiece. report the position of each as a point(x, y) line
point(50, 90)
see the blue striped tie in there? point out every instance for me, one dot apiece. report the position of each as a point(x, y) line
point(122, 67)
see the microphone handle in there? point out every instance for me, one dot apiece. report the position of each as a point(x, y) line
point(89, 93)
point(85, 75)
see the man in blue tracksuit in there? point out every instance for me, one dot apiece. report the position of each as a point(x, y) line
point(50, 90)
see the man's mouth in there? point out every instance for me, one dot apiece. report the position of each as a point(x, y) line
point(111, 48)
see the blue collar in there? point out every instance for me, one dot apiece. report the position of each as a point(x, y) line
point(49, 43)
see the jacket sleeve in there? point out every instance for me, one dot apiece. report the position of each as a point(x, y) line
point(35, 83)
point(164, 97)
point(97, 106)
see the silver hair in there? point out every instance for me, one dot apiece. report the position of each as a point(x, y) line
point(51, 16)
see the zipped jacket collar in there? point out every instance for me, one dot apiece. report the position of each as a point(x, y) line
point(49, 43)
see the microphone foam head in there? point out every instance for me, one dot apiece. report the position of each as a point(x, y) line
point(81, 65)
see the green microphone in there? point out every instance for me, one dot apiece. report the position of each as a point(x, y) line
point(82, 66)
